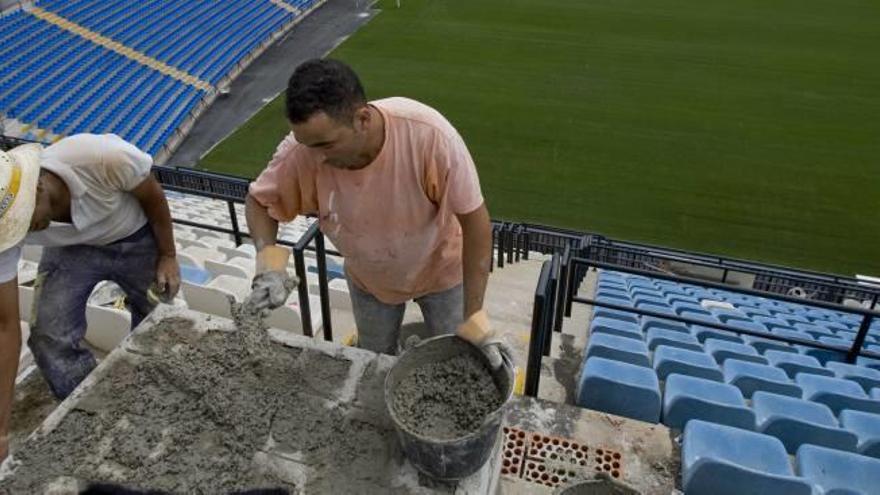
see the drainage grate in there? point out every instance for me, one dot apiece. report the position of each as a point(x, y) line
point(552, 461)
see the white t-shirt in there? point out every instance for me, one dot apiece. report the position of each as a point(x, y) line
point(99, 171)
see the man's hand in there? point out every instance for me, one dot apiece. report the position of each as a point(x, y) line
point(270, 290)
point(167, 278)
point(478, 332)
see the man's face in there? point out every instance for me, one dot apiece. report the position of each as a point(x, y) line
point(340, 144)
point(43, 209)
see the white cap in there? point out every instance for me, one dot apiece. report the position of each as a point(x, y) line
point(19, 172)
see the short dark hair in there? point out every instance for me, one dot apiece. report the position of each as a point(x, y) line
point(323, 85)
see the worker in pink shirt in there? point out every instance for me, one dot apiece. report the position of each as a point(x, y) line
point(396, 191)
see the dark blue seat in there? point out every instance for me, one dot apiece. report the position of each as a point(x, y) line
point(721, 460)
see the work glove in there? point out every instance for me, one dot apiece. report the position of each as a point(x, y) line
point(478, 331)
point(272, 284)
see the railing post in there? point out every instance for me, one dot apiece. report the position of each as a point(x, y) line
point(305, 311)
point(233, 217)
point(874, 302)
point(536, 339)
point(528, 244)
point(501, 238)
point(323, 290)
point(510, 240)
point(860, 339)
point(724, 276)
point(517, 240)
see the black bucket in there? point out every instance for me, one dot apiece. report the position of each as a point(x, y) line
point(449, 459)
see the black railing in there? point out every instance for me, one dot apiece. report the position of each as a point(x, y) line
point(547, 307)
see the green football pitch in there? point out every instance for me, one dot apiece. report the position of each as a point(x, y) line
point(748, 128)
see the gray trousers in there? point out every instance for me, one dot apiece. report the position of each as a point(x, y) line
point(378, 324)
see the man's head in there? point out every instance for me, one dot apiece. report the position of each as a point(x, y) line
point(19, 175)
point(327, 110)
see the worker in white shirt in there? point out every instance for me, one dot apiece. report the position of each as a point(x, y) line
point(91, 202)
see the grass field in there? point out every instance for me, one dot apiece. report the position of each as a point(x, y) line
point(749, 128)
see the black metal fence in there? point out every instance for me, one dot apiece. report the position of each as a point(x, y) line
point(556, 291)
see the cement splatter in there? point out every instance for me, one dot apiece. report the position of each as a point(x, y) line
point(447, 399)
point(189, 412)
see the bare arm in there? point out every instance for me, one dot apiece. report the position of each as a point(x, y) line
point(476, 257)
point(152, 199)
point(10, 348)
point(263, 228)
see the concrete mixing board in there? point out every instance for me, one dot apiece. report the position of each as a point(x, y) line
point(183, 406)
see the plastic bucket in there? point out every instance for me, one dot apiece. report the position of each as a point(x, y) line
point(447, 459)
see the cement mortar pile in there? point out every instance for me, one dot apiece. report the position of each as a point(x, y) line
point(191, 412)
point(447, 399)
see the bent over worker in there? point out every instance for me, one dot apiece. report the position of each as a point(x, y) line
point(91, 201)
point(396, 191)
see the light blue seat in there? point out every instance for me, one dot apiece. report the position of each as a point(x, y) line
point(868, 362)
point(722, 350)
point(749, 325)
point(866, 427)
point(616, 327)
point(661, 336)
point(615, 314)
point(753, 377)
point(797, 421)
point(650, 322)
point(194, 274)
point(720, 460)
point(814, 330)
point(762, 344)
point(620, 388)
point(671, 360)
point(703, 333)
point(866, 377)
point(687, 398)
point(835, 472)
point(793, 334)
point(792, 364)
point(836, 393)
point(824, 356)
point(773, 323)
point(618, 348)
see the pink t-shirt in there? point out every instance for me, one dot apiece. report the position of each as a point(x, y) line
point(393, 220)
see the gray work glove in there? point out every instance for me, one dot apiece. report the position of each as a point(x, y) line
point(270, 290)
point(497, 350)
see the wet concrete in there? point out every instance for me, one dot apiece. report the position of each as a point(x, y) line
point(190, 405)
point(448, 399)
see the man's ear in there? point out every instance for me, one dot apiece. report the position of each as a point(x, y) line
point(362, 118)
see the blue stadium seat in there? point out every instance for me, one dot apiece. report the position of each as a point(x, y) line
point(762, 344)
point(866, 377)
point(619, 349)
point(753, 377)
point(661, 336)
point(612, 326)
point(620, 388)
point(866, 427)
point(649, 322)
point(835, 472)
point(824, 356)
point(837, 394)
point(723, 350)
point(687, 398)
point(720, 460)
point(615, 314)
point(796, 422)
point(703, 333)
point(194, 274)
point(675, 360)
point(792, 364)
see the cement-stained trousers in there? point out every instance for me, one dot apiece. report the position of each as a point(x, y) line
point(65, 279)
point(378, 324)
